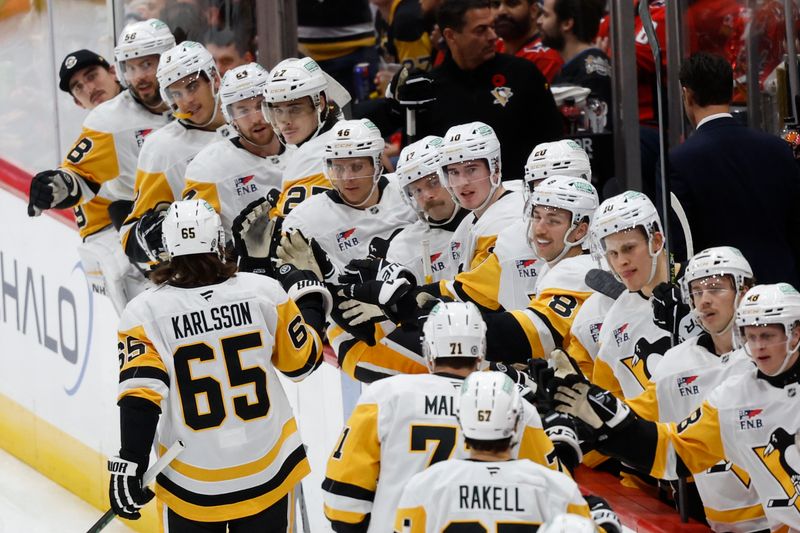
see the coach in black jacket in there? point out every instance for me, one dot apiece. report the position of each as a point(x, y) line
point(476, 83)
point(740, 187)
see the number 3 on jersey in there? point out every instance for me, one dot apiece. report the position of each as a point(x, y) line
point(193, 389)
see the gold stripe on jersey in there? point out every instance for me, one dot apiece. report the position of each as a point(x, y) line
point(410, 520)
point(298, 348)
point(143, 373)
point(92, 216)
point(332, 50)
point(354, 354)
point(603, 376)
point(93, 156)
point(336, 515)
point(234, 472)
point(579, 509)
point(697, 439)
point(646, 404)
point(354, 466)
point(483, 247)
point(144, 393)
point(537, 446)
point(480, 285)
point(296, 191)
point(731, 516)
point(253, 500)
point(198, 190)
point(151, 189)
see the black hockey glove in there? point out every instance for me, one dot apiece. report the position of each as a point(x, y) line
point(525, 385)
point(603, 515)
point(125, 489)
point(668, 307)
point(412, 89)
point(255, 235)
point(563, 431)
point(52, 189)
point(300, 284)
point(363, 270)
point(149, 235)
point(356, 322)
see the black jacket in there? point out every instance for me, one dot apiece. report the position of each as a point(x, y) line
point(741, 187)
point(506, 92)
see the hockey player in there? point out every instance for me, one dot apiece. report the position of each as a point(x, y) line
point(490, 488)
point(714, 282)
point(403, 424)
point(190, 86)
point(231, 173)
point(300, 109)
point(97, 175)
point(200, 352)
point(628, 230)
point(751, 419)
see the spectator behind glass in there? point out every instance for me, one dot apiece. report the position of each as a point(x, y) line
point(570, 27)
point(740, 187)
point(228, 50)
point(187, 21)
point(515, 23)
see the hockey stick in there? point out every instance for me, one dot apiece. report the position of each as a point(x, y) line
point(783, 502)
point(426, 261)
point(303, 510)
point(148, 478)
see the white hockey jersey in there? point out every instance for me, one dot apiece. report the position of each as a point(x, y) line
point(685, 377)
point(406, 248)
point(228, 177)
point(303, 175)
point(474, 238)
point(344, 232)
point(589, 321)
point(751, 422)
point(161, 170)
point(207, 357)
point(400, 426)
point(506, 279)
point(631, 346)
point(464, 495)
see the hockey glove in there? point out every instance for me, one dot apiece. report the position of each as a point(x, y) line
point(525, 385)
point(563, 432)
point(252, 229)
point(300, 283)
point(542, 374)
point(603, 515)
point(668, 307)
point(52, 189)
point(364, 270)
point(149, 235)
point(595, 406)
point(125, 489)
point(382, 293)
point(363, 331)
point(295, 250)
point(355, 312)
point(412, 89)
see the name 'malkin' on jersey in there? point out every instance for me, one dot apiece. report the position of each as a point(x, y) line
point(212, 319)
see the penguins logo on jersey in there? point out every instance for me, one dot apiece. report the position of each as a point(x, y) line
point(245, 185)
point(346, 239)
point(640, 364)
point(782, 458)
point(526, 268)
point(685, 387)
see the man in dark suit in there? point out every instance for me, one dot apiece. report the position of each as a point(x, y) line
point(740, 187)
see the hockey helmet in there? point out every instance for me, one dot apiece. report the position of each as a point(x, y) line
point(490, 407)
point(453, 329)
point(140, 39)
point(559, 158)
point(242, 83)
point(187, 59)
point(351, 139)
point(470, 142)
point(292, 79)
point(192, 227)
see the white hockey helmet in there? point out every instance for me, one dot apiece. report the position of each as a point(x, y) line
point(770, 304)
point(187, 59)
point(417, 161)
point(490, 407)
point(192, 227)
point(573, 194)
point(469, 142)
point(626, 211)
point(241, 83)
point(292, 79)
point(568, 523)
point(559, 158)
point(453, 329)
point(140, 39)
point(717, 261)
point(354, 138)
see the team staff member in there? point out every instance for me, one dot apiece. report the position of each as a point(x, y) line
point(201, 352)
point(475, 83)
point(515, 23)
point(88, 78)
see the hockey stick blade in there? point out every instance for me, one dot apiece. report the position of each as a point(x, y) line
point(604, 282)
point(148, 478)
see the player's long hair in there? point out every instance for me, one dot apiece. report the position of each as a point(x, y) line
point(194, 270)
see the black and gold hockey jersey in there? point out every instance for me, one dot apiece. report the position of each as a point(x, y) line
point(403, 37)
point(207, 357)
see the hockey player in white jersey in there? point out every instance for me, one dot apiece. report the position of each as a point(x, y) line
point(491, 487)
point(198, 361)
point(715, 281)
point(232, 173)
point(628, 230)
point(190, 85)
point(97, 175)
point(301, 109)
point(405, 423)
point(751, 419)
point(507, 278)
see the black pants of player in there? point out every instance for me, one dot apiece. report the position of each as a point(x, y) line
point(274, 519)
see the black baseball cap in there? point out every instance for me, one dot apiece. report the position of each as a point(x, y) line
point(76, 61)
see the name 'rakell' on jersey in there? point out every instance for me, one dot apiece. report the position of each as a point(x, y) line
point(214, 319)
point(492, 498)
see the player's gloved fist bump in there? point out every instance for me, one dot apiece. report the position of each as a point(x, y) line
point(595, 406)
point(299, 283)
point(252, 229)
point(296, 250)
point(52, 189)
point(125, 489)
point(603, 515)
point(363, 270)
point(355, 312)
point(525, 385)
point(563, 432)
point(149, 235)
point(383, 293)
